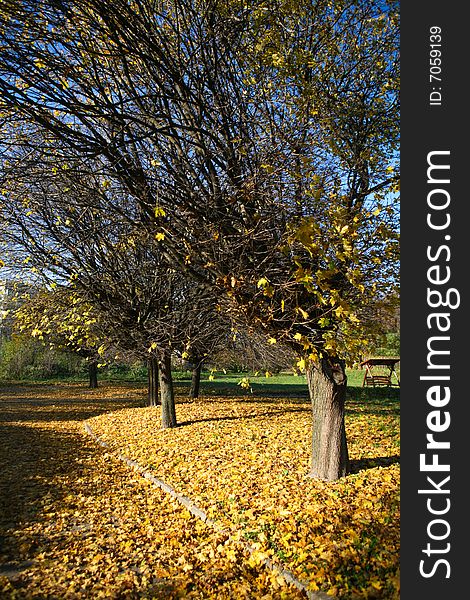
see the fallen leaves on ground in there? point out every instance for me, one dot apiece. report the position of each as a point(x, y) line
point(245, 463)
point(75, 523)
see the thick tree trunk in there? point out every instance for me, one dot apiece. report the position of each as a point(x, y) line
point(93, 375)
point(166, 392)
point(196, 379)
point(327, 382)
point(152, 367)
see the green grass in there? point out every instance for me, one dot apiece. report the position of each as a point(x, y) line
point(280, 382)
point(283, 384)
point(227, 384)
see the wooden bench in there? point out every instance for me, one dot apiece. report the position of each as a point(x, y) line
point(380, 371)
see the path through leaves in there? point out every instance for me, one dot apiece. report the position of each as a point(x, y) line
point(77, 524)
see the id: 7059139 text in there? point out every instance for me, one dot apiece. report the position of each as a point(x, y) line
point(435, 62)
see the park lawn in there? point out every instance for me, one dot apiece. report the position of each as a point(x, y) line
point(244, 460)
point(213, 382)
point(277, 384)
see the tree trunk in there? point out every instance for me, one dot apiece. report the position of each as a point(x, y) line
point(196, 379)
point(166, 392)
point(327, 382)
point(93, 375)
point(152, 367)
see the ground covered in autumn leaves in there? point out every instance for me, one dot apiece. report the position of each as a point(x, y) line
point(78, 523)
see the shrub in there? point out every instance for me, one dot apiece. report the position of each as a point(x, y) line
point(23, 357)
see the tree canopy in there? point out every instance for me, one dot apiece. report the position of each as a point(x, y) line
point(254, 146)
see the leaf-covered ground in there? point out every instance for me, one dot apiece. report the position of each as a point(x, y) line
point(245, 463)
point(77, 523)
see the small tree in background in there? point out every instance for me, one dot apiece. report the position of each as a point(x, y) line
point(61, 320)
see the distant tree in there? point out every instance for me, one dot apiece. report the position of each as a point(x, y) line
point(12, 294)
point(384, 326)
point(61, 320)
point(247, 350)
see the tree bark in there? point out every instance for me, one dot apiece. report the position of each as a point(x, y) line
point(196, 379)
point(327, 382)
point(152, 367)
point(166, 392)
point(93, 375)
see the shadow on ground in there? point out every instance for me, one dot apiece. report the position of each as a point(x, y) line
point(370, 463)
point(36, 460)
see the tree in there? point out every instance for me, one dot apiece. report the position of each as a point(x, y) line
point(60, 230)
point(60, 319)
point(246, 349)
point(259, 143)
point(384, 328)
point(208, 331)
point(12, 294)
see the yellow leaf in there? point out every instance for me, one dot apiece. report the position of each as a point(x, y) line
point(257, 558)
point(340, 311)
point(268, 168)
point(303, 312)
point(330, 345)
